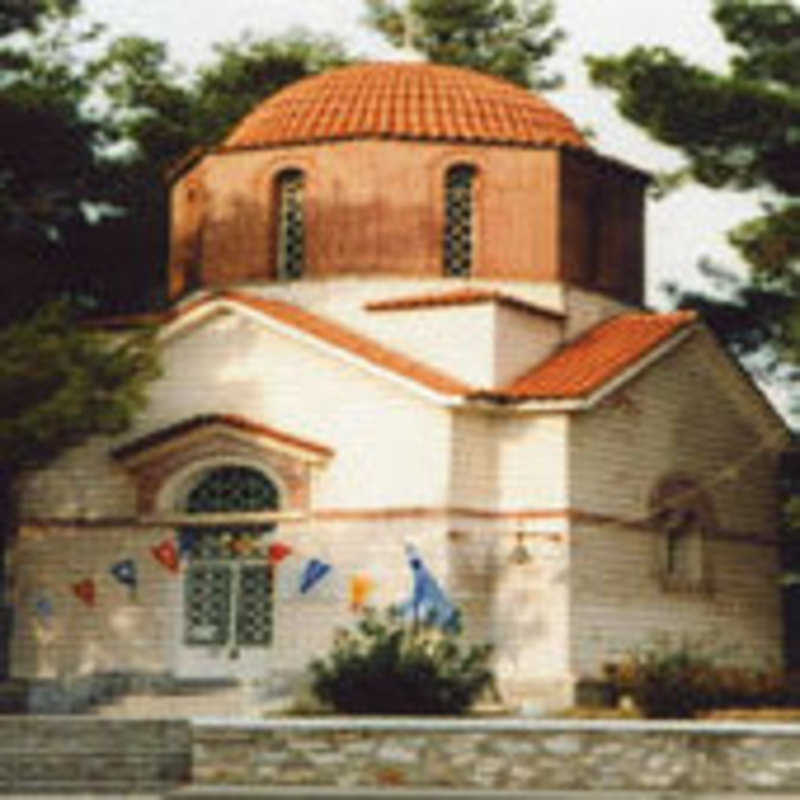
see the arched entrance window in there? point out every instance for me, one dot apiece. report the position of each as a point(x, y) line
point(228, 586)
point(458, 244)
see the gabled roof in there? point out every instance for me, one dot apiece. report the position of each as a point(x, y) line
point(598, 356)
point(460, 297)
point(177, 431)
point(356, 344)
point(575, 372)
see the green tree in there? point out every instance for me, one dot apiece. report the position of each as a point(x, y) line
point(48, 158)
point(738, 129)
point(502, 37)
point(60, 383)
point(16, 15)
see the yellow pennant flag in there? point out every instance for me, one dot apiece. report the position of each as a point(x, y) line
point(360, 587)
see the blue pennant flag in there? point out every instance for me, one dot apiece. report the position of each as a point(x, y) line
point(125, 572)
point(428, 604)
point(43, 607)
point(314, 571)
point(186, 540)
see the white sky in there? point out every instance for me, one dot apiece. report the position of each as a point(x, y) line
point(681, 229)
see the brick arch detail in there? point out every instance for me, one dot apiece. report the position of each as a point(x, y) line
point(291, 474)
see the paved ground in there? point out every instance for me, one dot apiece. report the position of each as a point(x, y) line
point(245, 793)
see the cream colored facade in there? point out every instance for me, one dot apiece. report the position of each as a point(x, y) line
point(461, 480)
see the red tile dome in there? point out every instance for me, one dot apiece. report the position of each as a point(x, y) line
point(404, 101)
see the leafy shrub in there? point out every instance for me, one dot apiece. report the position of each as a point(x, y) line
point(388, 667)
point(669, 681)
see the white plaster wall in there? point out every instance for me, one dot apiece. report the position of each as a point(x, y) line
point(121, 632)
point(459, 340)
point(83, 482)
point(687, 414)
point(617, 605)
point(522, 340)
point(144, 632)
point(533, 461)
point(391, 446)
point(508, 462)
point(521, 609)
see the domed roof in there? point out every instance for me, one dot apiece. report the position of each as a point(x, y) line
point(404, 101)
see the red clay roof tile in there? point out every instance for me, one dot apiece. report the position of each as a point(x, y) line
point(231, 420)
point(598, 356)
point(577, 370)
point(460, 297)
point(405, 101)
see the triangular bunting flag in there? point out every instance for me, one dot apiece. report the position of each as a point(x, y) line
point(84, 590)
point(125, 572)
point(428, 605)
point(186, 541)
point(360, 588)
point(278, 551)
point(43, 607)
point(313, 572)
point(166, 554)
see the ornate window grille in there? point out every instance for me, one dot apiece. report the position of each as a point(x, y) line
point(228, 586)
point(458, 242)
point(291, 239)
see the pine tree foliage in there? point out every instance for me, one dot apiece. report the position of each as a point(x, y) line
point(61, 382)
point(741, 130)
point(501, 37)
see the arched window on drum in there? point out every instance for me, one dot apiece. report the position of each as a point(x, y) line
point(458, 243)
point(290, 249)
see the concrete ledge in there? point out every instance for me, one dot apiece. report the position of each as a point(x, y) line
point(478, 725)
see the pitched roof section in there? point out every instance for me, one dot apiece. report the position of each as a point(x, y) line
point(460, 297)
point(179, 429)
point(404, 101)
point(598, 356)
point(354, 343)
point(577, 370)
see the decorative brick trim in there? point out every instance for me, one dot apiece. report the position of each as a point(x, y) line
point(398, 513)
point(234, 421)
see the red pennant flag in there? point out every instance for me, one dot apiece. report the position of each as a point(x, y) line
point(278, 551)
point(166, 554)
point(84, 590)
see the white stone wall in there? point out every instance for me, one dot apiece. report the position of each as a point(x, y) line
point(522, 340)
point(391, 446)
point(514, 467)
point(689, 414)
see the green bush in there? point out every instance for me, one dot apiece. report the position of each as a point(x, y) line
point(681, 681)
point(387, 666)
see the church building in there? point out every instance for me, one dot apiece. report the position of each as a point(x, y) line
point(407, 309)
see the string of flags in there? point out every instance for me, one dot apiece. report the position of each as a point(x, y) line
point(427, 605)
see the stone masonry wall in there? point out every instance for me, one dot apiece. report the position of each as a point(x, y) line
point(62, 755)
point(500, 754)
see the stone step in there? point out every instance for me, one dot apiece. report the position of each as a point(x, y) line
point(14, 696)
